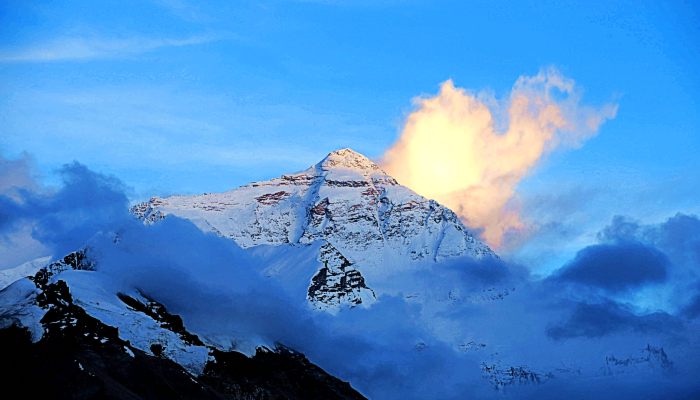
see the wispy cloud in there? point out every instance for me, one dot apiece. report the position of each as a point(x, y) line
point(91, 48)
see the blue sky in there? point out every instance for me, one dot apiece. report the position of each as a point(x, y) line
point(180, 97)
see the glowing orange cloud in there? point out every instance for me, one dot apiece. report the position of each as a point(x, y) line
point(451, 148)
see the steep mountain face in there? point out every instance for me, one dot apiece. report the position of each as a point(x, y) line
point(367, 222)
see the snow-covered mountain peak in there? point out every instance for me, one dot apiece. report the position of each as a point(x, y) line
point(350, 159)
point(368, 226)
point(344, 166)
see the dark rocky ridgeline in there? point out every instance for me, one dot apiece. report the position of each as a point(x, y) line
point(80, 357)
point(273, 374)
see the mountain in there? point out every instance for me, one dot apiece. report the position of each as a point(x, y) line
point(337, 235)
point(367, 223)
point(282, 288)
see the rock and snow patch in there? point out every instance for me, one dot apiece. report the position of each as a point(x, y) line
point(141, 330)
point(18, 306)
point(338, 282)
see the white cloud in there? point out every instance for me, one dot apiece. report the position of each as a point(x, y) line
point(90, 48)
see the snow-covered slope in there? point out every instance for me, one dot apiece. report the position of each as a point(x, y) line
point(10, 275)
point(370, 225)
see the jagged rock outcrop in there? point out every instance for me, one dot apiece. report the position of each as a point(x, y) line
point(650, 358)
point(77, 260)
point(500, 376)
point(337, 282)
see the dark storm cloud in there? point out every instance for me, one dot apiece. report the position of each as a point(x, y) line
point(615, 267)
point(679, 236)
point(597, 320)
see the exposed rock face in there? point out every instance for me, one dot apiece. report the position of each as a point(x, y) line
point(77, 260)
point(147, 211)
point(345, 200)
point(500, 377)
point(651, 358)
point(338, 282)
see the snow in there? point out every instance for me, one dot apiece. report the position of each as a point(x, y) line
point(275, 211)
point(18, 307)
point(96, 294)
point(10, 275)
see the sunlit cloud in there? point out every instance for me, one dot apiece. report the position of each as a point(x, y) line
point(469, 152)
point(89, 48)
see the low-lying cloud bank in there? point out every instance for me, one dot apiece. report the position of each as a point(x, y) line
point(594, 328)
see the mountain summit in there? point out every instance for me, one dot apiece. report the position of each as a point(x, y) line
point(350, 159)
point(361, 224)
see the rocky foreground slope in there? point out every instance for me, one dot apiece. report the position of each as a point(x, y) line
point(128, 346)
